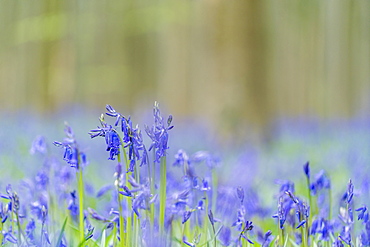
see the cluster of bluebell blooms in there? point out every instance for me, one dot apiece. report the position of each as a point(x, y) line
point(147, 205)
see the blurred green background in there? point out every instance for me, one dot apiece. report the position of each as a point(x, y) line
point(228, 62)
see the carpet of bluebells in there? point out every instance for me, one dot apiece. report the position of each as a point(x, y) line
point(108, 181)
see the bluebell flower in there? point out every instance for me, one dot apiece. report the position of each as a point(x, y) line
point(3, 213)
point(350, 191)
point(112, 113)
point(267, 239)
point(42, 180)
point(111, 136)
point(96, 216)
point(103, 190)
point(321, 182)
point(346, 238)
point(281, 214)
point(185, 241)
point(241, 218)
point(211, 218)
point(8, 236)
point(203, 156)
point(361, 215)
point(301, 224)
point(322, 227)
point(181, 158)
point(159, 133)
point(365, 235)
point(186, 216)
point(205, 185)
point(337, 243)
point(113, 142)
point(72, 205)
point(46, 235)
point(306, 169)
point(248, 226)
point(240, 193)
point(39, 145)
point(225, 236)
point(346, 215)
point(90, 231)
point(38, 211)
point(285, 185)
point(71, 150)
point(30, 229)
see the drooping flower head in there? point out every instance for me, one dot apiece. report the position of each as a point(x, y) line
point(131, 138)
point(72, 155)
point(111, 136)
point(159, 133)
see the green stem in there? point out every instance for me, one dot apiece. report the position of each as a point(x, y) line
point(119, 199)
point(42, 234)
point(329, 214)
point(115, 235)
point(309, 199)
point(205, 220)
point(183, 234)
point(1, 230)
point(214, 189)
point(20, 232)
point(80, 188)
point(121, 221)
point(162, 205)
point(151, 211)
point(282, 239)
point(136, 220)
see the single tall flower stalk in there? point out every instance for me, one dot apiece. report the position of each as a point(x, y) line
point(77, 159)
point(159, 136)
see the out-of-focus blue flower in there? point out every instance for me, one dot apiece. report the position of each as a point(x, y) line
point(321, 182)
point(363, 214)
point(72, 205)
point(241, 218)
point(30, 229)
point(365, 235)
point(39, 145)
point(185, 241)
point(346, 215)
point(337, 243)
point(42, 180)
point(267, 239)
point(323, 227)
point(345, 235)
point(181, 158)
point(186, 216)
point(203, 156)
point(96, 216)
point(103, 190)
point(211, 218)
point(248, 226)
point(225, 236)
point(8, 236)
point(301, 224)
point(285, 185)
point(39, 210)
point(281, 214)
point(205, 185)
point(350, 191)
point(240, 193)
point(306, 169)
